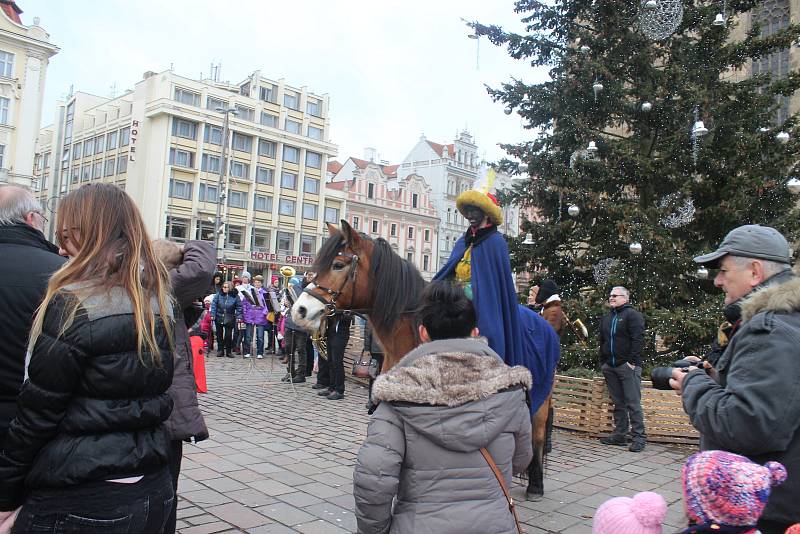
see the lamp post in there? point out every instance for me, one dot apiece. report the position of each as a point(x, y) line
point(222, 185)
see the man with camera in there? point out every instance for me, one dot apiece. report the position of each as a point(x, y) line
point(621, 342)
point(750, 403)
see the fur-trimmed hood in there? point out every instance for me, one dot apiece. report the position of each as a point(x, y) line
point(456, 392)
point(781, 294)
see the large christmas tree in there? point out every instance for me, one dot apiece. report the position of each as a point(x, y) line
point(619, 159)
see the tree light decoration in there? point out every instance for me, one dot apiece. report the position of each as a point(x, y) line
point(573, 210)
point(702, 273)
point(659, 19)
point(635, 248)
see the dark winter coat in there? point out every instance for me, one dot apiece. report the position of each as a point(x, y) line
point(438, 406)
point(90, 409)
point(754, 410)
point(188, 280)
point(226, 308)
point(28, 260)
point(371, 343)
point(622, 336)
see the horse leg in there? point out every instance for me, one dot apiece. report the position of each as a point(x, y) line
point(535, 489)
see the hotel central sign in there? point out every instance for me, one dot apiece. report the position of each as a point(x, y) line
point(281, 258)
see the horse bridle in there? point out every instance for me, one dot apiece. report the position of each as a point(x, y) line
point(330, 304)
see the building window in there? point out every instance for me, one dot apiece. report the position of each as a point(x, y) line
point(308, 244)
point(426, 260)
point(184, 128)
point(208, 193)
point(448, 214)
point(393, 230)
point(311, 185)
point(4, 105)
point(88, 147)
point(332, 215)
point(242, 142)
point(267, 93)
point(74, 176)
point(205, 231)
point(285, 242)
point(309, 211)
point(246, 114)
point(111, 140)
point(268, 119)
point(76, 150)
point(6, 64)
point(210, 163)
point(235, 239)
point(266, 148)
point(374, 226)
point(414, 200)
point(370, 190)
point(181, 158)
point(86, 173)
point(263, 203)
point(184, 96)
point(240, 170)
point(177, 229)
point(293, 127)
point(315, 133)
point(286, 206)
point(291, 100)
point(291, 154)
point(260, 240)
point(288, 180)
point(355, 222)
point(427, 235)
point(264, 175)
point(99, 144)
point(772, 16)
point(411, 232)
point(212, 134)
point(313, 107)
point(125, 136)
point(410, 257)
point(180, 189)
point(313, 160)
point(213, 103)
point(109, 170)
point(237, 199)
point(97, 170)
point(122, 164)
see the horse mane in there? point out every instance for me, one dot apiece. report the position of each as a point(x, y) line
point(328, 252)
point(396, 283)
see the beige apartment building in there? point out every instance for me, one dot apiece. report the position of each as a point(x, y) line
point(25, 52)
point(162, 142)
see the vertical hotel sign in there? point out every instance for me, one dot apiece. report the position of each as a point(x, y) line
point(134, 136)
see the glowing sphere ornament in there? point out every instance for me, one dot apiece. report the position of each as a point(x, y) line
point(635, 248)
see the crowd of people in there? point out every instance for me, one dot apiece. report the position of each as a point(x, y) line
point(97, 391)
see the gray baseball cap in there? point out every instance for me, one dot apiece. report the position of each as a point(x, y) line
point(750, 241)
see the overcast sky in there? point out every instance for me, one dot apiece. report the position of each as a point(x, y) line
point(393, 70)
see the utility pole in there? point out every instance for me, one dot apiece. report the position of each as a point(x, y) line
point(222, 187)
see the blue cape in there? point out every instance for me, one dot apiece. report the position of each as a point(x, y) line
point(494, 294)
point(542, 350)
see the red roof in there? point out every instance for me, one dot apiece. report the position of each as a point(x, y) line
point(390, 170)
point(335, 185)
point(11, 10)
point(334, 166)
point(451, 149)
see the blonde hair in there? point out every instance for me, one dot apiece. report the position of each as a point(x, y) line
point(113, 250)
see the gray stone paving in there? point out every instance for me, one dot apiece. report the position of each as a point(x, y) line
point(281, 460)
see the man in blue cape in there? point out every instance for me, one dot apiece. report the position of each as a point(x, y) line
point(480, 264)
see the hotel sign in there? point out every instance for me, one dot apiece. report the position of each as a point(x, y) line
point(281, 258)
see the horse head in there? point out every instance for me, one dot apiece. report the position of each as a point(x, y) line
point(342, 279)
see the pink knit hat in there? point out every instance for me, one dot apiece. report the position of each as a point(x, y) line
point(641, 514)
point(728, 489)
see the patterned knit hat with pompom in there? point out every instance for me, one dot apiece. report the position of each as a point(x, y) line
point(728, 489)
point(641, 514)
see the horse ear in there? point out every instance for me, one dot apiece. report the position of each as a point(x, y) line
point(351, 236)
point(332, 230)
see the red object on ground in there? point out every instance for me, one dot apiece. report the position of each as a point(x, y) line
point(199, 364)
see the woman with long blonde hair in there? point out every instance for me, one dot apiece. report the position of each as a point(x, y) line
point(87, 451)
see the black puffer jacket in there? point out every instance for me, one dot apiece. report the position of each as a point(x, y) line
point(28, 260)
point(622, 336)
point(90, 410)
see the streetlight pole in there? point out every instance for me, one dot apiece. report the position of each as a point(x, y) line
point(222, 186)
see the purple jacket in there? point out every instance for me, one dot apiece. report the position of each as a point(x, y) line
point(254, 314)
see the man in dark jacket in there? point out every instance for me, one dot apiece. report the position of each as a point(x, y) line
point(750, 403)
point(28, 261)
point(621, 342)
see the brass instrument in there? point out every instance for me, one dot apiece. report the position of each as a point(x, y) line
point(288, 271)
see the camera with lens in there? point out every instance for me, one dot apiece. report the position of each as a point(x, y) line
point(660, 376)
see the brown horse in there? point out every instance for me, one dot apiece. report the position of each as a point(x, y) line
point(358, 274)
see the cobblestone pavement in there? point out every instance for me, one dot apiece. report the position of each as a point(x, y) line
point(280, 460)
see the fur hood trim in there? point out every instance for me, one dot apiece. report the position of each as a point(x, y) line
point(448, 379)
point(781, 297)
